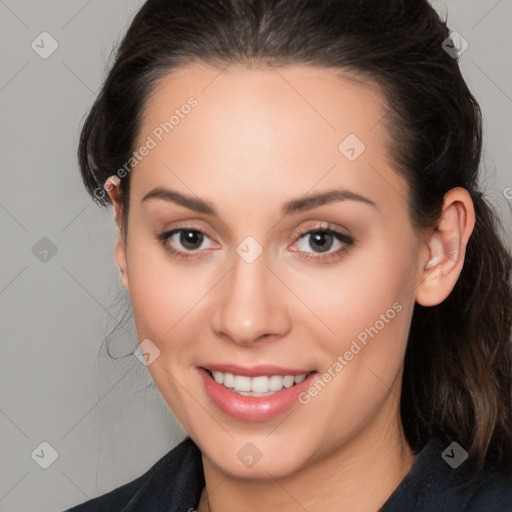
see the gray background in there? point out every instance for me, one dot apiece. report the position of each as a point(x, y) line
point(101, 416)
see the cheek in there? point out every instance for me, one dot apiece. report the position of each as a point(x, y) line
point(367, 303)
point(172, 304)
point(357, 293)
point(161, 292)
point(362, 361)
point(371, 327)
point(166, 302)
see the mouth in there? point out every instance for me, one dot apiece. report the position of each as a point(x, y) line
point(257, 394)
point(258, 385)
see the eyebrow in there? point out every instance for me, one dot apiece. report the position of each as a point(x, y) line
point(294, 206)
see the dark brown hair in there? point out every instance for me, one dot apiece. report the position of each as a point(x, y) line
point(457, 379)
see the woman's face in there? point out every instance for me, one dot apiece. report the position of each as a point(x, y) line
point(258, 290)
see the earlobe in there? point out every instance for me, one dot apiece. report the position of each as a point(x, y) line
point(446, 248)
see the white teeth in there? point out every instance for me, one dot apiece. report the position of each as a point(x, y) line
point(260, 384)
point(299, 378)
point(275, 383)
point(288, 381)
point(229, 380)
point(254, 393)
point(257, 386)
point(242, 383)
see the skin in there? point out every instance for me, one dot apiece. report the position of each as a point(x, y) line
point(258, 138)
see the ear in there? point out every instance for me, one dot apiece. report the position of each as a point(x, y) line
point(445, 248)
point(112, 186)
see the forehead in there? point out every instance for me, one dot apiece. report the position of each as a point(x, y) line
point(289, 126)
point(325, 100)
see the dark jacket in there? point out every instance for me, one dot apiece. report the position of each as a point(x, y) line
point(174, 484)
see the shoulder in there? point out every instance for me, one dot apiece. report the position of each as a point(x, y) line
point(436, 482)
point(492, 492)
point(177, 477)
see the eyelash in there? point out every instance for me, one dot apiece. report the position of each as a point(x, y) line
point(319, 228)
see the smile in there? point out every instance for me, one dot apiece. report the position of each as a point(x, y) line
point(254, 395)
point(261, 385)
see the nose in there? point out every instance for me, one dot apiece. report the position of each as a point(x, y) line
point(251, 304)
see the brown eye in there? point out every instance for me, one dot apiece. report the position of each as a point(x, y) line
point(322, 240)
point(321, 243)
point(183, 242)
point(190, 238)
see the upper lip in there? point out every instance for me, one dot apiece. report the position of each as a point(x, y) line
point(253, 371)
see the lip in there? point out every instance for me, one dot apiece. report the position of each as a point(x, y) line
point(254, 371)
point(251, 408)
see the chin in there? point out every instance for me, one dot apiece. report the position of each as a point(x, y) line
point(254, 456)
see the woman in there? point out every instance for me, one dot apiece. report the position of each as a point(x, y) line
point(318, 284)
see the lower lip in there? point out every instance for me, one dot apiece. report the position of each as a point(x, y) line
point(252, 408)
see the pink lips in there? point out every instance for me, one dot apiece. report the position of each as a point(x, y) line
point(250, 408)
